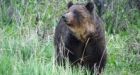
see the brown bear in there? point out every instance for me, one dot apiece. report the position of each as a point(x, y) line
point(80, 39)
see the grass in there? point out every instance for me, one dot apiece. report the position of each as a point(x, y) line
point(26, 48)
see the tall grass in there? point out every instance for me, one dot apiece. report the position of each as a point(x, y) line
point(26, 40)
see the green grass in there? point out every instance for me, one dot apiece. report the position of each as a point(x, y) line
point(26, 48)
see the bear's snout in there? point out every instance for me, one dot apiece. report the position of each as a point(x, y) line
point(65, 18)
point(68, 18)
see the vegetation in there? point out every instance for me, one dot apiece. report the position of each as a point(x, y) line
point(26, 38)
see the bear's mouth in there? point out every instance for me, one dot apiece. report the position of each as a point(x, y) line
point(67, 22)
point(65, 19)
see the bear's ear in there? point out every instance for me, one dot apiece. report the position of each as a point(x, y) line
point(90, 6)
point(70, 4)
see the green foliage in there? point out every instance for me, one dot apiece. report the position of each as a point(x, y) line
point(26, 38)
point(118, 16)
point(6, 66)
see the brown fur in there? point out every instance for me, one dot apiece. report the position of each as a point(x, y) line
point(80, 38)
point(86, 27)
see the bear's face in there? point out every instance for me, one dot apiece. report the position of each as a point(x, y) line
point(79, 19)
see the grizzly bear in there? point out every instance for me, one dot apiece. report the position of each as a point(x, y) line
point(80, 39)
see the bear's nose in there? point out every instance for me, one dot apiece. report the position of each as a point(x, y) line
point(65, 18)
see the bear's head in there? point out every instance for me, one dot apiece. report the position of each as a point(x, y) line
point(79, 19)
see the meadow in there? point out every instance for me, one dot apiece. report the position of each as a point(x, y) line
point(27, 30)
